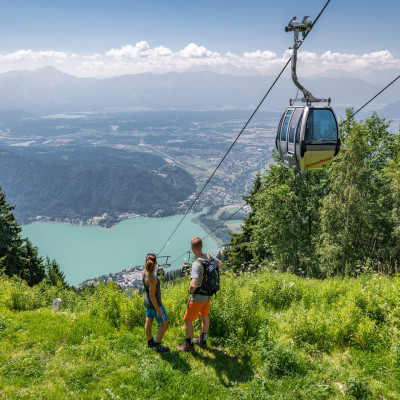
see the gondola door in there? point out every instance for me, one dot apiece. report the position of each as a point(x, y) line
point(321, 139)
point(291, 160)
point(283, 144)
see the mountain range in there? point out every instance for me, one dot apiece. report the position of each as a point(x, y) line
point(47, 91)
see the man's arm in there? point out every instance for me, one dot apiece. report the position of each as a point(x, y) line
point(194, 284)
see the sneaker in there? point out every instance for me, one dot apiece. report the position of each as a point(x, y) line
point(159, 348)
point(200, 342)
point(152, 343)
point(186, 347)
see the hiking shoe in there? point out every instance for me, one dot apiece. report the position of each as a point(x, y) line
point(200, 342)
point(186, 347)
point(159, 348)
point(151, 344)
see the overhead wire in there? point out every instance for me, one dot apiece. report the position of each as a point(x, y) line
point(369, 101)
point(241, 207)
point(240, 133)
point(211, 232)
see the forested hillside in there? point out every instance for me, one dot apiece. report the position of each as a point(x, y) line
point(339, 221)
point(80, 183)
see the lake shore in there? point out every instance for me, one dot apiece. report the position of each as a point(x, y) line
point(85, 251)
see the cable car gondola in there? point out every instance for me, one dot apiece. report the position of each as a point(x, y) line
point(161, 268)
point(185, 267)
point(160, 272)
point(308, 135)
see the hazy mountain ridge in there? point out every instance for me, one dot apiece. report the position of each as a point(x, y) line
point(80, 183)
point(48, 90)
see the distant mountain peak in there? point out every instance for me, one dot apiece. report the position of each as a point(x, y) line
point(49, 70)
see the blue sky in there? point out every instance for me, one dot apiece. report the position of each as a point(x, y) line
point(76, 35)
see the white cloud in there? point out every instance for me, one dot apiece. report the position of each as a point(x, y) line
point(140, 58)
point(194, 51)
point(260, 55)
point(351, 62)
point(33, 56)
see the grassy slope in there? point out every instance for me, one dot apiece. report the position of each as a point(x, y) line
point(272, 336)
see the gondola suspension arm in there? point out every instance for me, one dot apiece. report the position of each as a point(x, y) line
point(302, 27)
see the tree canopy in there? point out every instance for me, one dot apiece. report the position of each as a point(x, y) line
point(338, 221)
point(18, 257)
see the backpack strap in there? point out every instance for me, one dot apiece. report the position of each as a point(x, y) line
point(202, 261)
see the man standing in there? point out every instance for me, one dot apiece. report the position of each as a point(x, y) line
point(204, 283)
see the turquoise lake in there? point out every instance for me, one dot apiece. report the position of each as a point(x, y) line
point(88, 251)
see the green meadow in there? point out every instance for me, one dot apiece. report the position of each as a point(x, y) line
point(273, 336)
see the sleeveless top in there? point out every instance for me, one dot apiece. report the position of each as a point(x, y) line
point(147, 299)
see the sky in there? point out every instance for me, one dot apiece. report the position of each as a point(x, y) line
point(101, 38)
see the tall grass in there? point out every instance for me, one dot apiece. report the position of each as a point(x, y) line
point(272, 336)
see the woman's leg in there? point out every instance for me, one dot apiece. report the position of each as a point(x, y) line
point(161, 330)
point(147, 327)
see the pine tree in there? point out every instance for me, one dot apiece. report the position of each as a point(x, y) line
point(32, 270)
point(17, 256)
point(241, 252)
point(10, 240)
point(54, 275)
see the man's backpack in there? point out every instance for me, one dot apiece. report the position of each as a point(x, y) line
point(210, 283)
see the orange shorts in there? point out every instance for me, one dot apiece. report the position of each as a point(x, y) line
point(193, 310)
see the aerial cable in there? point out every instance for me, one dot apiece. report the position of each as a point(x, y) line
point(222, 223)
point(351, 116)
point(210, 233)
point(240, 133)
point(369, 101)
point(223, 158)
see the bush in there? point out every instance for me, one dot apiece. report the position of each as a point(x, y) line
point(281, 361)
point(358, 388)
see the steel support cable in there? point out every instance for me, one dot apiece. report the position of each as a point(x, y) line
point(351, 116)
point(222, 223)
point(210, 233)
point(223, 158)
point(369, 101)
point(240, 133)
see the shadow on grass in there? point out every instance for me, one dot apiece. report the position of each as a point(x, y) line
point(176, 361)
point(228, 368)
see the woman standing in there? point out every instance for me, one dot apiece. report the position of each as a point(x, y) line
point(154, 307)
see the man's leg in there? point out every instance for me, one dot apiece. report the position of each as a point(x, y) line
point(205, 324)
point(188, 329)
point(190, 315)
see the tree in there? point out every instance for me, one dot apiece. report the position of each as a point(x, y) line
point(17, 256)
point(241, 252)
point(334, 221)
point(287, 217)
point(10, 240)
point(32, 270)
point(54, 275)
point(356, 216)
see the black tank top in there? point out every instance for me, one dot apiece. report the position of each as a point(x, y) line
point(147, 299)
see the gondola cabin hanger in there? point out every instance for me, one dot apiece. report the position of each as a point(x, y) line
point(308, 135)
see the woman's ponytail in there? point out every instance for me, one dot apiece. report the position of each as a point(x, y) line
point(151, 262)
